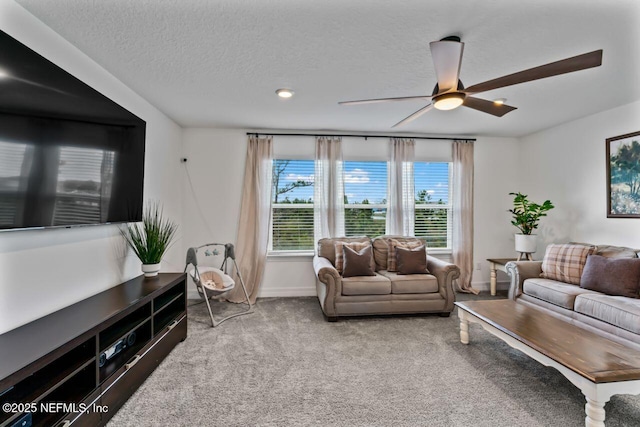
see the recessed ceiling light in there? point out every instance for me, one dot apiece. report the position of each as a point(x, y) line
point(3, 74)
point(500, 101)
point(285, 93)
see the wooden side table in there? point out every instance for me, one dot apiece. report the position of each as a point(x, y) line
point(497, 264)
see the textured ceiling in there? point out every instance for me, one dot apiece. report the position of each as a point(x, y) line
point(218, 62)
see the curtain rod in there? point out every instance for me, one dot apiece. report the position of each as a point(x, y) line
point(359, 136)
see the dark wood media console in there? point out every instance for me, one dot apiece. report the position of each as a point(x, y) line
point(51, 368)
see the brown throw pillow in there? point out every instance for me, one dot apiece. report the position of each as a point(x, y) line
point(612, 276)
point(357, 263)
point(565, 262)
point(412, 261)
point(353, 245)
point(393, 244)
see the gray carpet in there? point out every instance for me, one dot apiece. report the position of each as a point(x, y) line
point(285, 365)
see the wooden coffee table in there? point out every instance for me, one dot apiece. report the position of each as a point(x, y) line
point(599, 367)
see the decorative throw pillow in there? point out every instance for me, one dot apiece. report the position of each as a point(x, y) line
point(412, 261)
point(565, 262)
point(612, 276)
point(357, 246)
point(357, 263)
point(393, 244)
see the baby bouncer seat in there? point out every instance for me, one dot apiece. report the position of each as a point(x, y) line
point(212, 282)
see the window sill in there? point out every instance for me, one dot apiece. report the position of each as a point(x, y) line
point(290, 255)
point(439, 251)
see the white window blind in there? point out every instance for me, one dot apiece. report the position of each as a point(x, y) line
point(433, 203)
point(78, 196)
point(292, 205)
point(11, 163)
point(365, 188)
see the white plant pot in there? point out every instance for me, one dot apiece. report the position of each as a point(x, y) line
point(150, 270)
point(526, 243)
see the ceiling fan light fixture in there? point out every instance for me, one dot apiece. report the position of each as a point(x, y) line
point(448, 101)
point(285, 93)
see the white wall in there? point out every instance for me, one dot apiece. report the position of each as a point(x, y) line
point(496, 174)
point(567, 165)
point(42, 271)
point(216, 168)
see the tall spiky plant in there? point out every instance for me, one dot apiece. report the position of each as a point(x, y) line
point(153, 237)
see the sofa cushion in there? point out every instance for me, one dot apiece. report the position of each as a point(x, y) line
point(554, 292)
point(609, 251)
point(357, 263)
point(356, 246)
point(380, 252)
point(366, 285)
point(618, 311)
point(616, 251)
point(565, 262)
point(612, 276)
point(407, 243)
point(411, 283)
point(412, 261)
point(327, 246)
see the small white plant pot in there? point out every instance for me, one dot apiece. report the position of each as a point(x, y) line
point(150, 270)
point(526, 243)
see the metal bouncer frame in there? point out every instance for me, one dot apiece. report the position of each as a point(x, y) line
point(229, 254)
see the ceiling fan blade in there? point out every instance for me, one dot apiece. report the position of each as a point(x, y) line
point(485, 106)
point(569, 65)
point(414, 115)
point(373, 101)
point(447, 58)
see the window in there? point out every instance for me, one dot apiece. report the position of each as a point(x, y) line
point(292, 205)
point(433, 203)
point(365, 189)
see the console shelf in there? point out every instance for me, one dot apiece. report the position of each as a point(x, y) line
point(57, 359)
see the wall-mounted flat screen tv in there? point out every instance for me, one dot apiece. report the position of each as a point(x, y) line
point(68, 154)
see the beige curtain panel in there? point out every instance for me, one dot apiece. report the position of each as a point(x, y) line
point(328, 194)
point(400, 214)
point(463, 213)
point(255, 216)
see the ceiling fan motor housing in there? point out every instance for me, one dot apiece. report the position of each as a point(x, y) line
point(436, 88)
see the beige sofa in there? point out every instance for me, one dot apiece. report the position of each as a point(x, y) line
point(615, 317)
point(386, 292)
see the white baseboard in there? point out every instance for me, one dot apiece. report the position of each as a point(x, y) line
point(301, 291)
point(270, 292)
point(486, 286)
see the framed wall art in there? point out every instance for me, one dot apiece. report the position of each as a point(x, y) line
point(623, 176)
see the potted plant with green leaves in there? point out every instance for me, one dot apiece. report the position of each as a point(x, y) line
point(151, 238)
point(526, 216)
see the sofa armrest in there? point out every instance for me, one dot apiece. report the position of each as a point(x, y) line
point(330, 284)
point(446, 273)
point(519, 271)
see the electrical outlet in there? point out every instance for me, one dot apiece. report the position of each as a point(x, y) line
point(479, 266)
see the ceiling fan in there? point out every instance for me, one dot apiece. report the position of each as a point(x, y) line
point(450, 93)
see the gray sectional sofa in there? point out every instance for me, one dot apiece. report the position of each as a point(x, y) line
point(615, 317)
point(385, 292)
